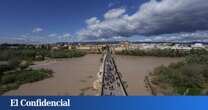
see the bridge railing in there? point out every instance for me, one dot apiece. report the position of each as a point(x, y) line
point(102, 74)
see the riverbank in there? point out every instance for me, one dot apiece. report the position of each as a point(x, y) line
point(72, 76)
point(14, 79)
point(76, 76)
point(187, 77)
point(16, 64)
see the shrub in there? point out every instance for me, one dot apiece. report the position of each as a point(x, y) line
point(12, 80)
point(187, 77)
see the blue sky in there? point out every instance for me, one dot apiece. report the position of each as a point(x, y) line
point(54, 16)
point(66, 20)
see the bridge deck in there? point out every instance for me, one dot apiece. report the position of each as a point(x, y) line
point(112, 84)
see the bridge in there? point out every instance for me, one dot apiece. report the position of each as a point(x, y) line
point(111, 82)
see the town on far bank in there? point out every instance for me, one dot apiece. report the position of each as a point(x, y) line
point(96, 47)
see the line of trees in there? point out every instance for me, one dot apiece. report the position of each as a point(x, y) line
point(37, 54)
point(163, 52)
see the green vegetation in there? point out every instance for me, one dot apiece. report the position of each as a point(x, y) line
point(65, 54)
point(163, 52)
point(188, 77)
point(15, 72)
point(12, 80)
point(37, 54)
point(14, 63)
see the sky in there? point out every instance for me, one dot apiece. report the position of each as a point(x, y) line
point(49, 21)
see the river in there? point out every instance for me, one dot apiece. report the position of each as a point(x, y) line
point(75, 76)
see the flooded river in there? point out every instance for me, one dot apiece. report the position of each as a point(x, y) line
point(75, 76)
point(134, 69)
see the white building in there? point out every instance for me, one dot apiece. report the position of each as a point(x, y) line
point(148, 46)
point(197, 46)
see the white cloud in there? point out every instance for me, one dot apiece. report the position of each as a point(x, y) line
point(201, 36)
point(114, 13)
point(37, 30)
point(66, 35)
point(118, 37)
point(52, 35)
point(115, 3)
point(51, 38)
point(62, 37)
point(153, 18)
point(92, 21)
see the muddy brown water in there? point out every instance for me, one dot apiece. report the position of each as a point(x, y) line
point(134, 69)
point(75, 76)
